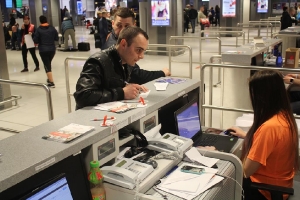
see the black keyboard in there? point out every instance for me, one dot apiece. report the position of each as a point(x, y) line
point(208, 140)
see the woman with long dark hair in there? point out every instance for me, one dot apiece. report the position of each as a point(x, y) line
point(217, 10)
point(270, 148)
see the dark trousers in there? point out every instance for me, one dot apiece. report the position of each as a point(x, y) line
point(202, 28)
point(251, 193)
point(186, 26)
point(33, 55)
point(15, 41)
point(193, 23)
point(47, 57)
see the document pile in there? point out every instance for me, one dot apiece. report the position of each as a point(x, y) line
point(68, 133)
point(188, 185)
point(161, 86)
point(116, 106)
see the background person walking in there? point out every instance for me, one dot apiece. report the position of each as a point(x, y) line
point(45, 36)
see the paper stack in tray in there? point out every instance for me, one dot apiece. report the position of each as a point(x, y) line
point(187, 185)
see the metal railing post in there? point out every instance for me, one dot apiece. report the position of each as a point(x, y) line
point(68, 79)
point(45, 87)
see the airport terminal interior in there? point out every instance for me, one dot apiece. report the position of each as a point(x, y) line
point(252, 29)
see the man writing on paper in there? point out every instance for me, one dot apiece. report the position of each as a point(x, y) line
point(105, 74)
point(123, 18)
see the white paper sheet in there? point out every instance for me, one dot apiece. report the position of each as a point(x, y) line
point(194, 155)
point(108, 106)
point(190, 196)
point(161, 86)
point(154, 132)
point(187, 182)
point(144, 94)
point(29, 41)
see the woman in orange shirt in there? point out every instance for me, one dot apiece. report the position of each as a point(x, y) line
point(270, 149)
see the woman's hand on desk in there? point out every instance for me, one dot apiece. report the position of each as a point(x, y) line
point(238, 132)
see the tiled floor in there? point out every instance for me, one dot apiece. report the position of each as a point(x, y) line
point(32, 109)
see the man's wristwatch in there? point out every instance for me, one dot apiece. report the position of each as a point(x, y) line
point(291, 81)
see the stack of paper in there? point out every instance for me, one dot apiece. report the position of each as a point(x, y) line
point(161, 86)
point(110, 105)
point(187, 185)
point(194, 155)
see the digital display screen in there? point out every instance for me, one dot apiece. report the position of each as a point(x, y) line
point(262, 6)
point(19, 3)
point(160, 12)
point(277, 8)
point(110, 4)
point(79, 8)
point(188, 121)
point(8, 3)
point(229, 8)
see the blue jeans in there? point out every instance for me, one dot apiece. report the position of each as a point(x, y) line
point(193, 23)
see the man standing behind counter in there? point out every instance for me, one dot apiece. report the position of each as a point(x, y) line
point(105, 74)
point(123, 18)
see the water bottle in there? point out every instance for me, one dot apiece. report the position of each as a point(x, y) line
point(279, 60)
point(275, 50)
point(96, 179)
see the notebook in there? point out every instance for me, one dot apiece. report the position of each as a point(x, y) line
point(56, 189)
point(188, 125)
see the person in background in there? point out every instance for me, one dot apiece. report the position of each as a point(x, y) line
point(45, 37)
point(16, 38)
point(205, 11)
point(103, 29)
point(124, 17)
point(105, 74)
point(68, 30)
point(287, 18)
point(12, 21)
point(6, 33)
point(201, 15)
point(293, 91)
point(109, 23)
point(211, 15)
point(218, 14)
point(193, 14)
point(28, 28)
point(67, 13)
point(271, 146)
point(186, 20)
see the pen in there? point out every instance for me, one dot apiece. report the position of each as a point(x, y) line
point(126, 82)
point(101, 119)
point(142, 100)
point(104, 120)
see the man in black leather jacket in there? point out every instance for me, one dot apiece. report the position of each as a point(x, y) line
point(105, 74)
point(124, 17)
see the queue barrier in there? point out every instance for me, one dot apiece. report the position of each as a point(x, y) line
point(39, 85)
point(254, 27)
point(200, 46)
point(69, 94)
point(274, 23)
point(210, 106)
point(211, 60)
point(67, 77)
point(228, 32)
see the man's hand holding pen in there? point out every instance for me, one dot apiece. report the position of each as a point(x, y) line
point(132, 91)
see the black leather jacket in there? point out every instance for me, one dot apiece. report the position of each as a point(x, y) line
point(101, 80)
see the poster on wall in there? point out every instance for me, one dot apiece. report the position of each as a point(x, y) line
point(79, 8)
point(229, 8)
point(262, 6)
point(160, 12)
point(294, 4)
point(278, 7)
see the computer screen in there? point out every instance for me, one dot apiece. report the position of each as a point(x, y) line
point(188, 120)
point(55, 190)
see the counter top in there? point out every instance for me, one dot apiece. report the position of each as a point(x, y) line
point(26, 153)
point(245, 53)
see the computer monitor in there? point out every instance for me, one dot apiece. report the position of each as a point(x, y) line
point(188, 120)
point(56, 189)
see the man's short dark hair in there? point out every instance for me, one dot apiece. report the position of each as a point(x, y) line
point(43, 19)
point(129, 33)
point(26, 17)
point(124, 13)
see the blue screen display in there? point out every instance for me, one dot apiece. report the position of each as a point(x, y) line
point(189, 121)
point(8, 3)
